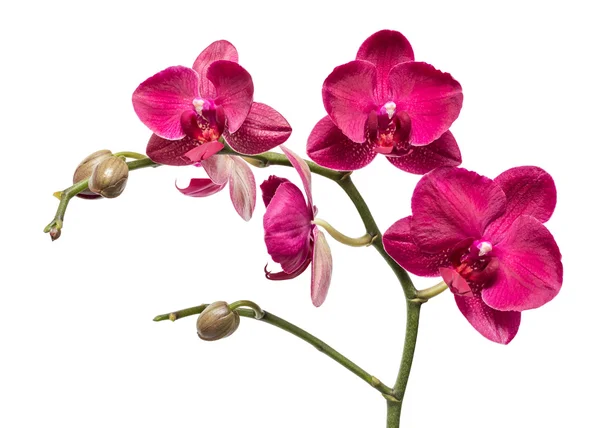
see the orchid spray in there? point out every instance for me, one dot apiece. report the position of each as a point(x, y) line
point(483, 237)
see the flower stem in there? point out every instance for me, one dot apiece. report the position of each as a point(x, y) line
point(284, 325)
point(66, 195)
point(363, 241)
point(428, 293)
point(132, 155)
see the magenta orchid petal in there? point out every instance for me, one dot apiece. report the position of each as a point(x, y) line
point(530, 272)
point(234, 88)
point(204, 151)
point(398, 243)
point(170, 152)
point(322, 264)
point(219, 168)
point(302, 169)
point(497, 326)
point(242, 188)
point(269, 187)
point(450, 205)
point(201, 187)
point(385, 49)
point(348, 96)
point(329, 147)
point(160, 100)
point(219, 50)
point(421, 159)
point(529, 191)
point(287, 224)
point(263, 129)
point(432, 99)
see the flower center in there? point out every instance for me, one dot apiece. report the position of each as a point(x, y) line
point(205, 123)
point(473, 266)
point(389, 130)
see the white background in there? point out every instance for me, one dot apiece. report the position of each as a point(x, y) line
point(79, 347)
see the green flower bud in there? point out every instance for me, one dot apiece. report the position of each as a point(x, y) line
point(217, 321)
point(86, 167)
point(109, 177)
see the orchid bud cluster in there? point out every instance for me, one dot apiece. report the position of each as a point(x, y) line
point(484, 237)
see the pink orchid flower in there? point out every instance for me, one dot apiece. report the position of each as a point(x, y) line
point(190, 109)
point(292, 239)
point(223, 169)
point(486, 239)
point(385, 102)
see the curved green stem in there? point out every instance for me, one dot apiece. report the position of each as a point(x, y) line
point(258, 312)
point(362, 241)
point(131, 155)
point(429, 293)
point(287, 326)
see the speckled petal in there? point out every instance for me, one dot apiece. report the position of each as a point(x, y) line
point(322, 265)
point(170, 152)
point(399, 245)
point(431, 99)
point(385, 49)
point(204, 151)
point(348, 96)
point(421, 159)
point(497, 326)
point(269, 187)
point(219, 50)
point(160, 100)
point(263, 129)
point(329, 147)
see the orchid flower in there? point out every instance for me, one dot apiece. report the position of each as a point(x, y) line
point(223, 169)
point(486, 239)
point(385, 102)
point(190, 109)
point(292, 239)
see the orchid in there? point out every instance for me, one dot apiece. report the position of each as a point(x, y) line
point(486, 239)
point(385, 102)
point(292, 238)
point(190, 109)
point(223, 169)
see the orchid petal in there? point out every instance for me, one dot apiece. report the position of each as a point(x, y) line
point(287, 224)
point(234, 89)
point(303, 170)
point(453, 204)
point(385, 49)
point(219, 168)
point(242, 188)
point(529, 191)
point(329, 147)
point(283, 276)
point(263, 129)
point(201, 187)
point(497, 326)
point(348, 96)
point(204, 151)
point(219, 50)
point(432, 99)
point(160, 100)
point(269, 187)
point(421, 159)
point(530, 271)
point(321, 268)
point(170, 152)
point(398, 243)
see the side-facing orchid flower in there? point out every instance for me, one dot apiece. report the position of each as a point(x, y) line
point(223, 169)
point(292, 238)
point(190, 109)
point(385, 102)
point(486, 239)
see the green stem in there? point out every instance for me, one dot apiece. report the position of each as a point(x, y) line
point(428, 293)
point(258, 312)
point(132, 155)
point(284, 325)
point(413, 310)
point(55, 226)
point(362, 241)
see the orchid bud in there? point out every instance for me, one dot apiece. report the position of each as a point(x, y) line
point(217, 321)
point(109, 177)
point(86, 167)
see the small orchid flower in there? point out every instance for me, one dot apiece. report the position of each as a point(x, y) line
point(292, 238)
point(223, 169)
point(190, 109)
point(385, 102)
point(486, 239)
